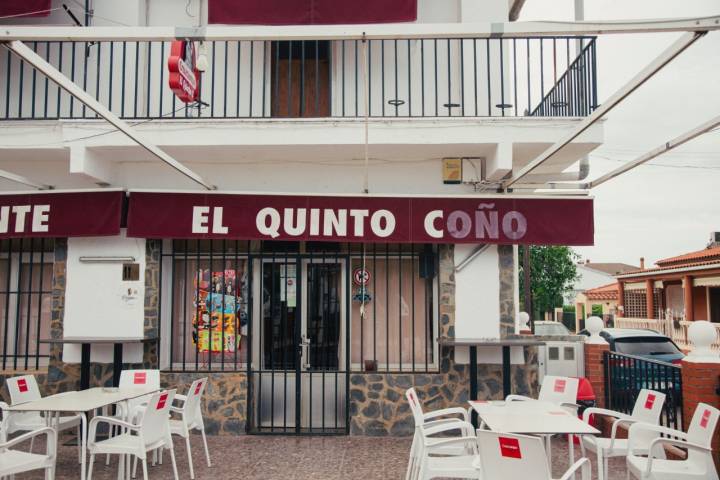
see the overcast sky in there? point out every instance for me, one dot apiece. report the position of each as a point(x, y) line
point(671, 205)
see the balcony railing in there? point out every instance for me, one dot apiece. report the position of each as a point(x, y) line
point(548, 76)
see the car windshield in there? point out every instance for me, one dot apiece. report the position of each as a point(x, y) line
point(645, 346)
point(551, 329)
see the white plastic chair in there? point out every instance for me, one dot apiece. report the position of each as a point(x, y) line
point(25, 389)
point(699, 462)
point(133, 379)
point(190, 419)
point(453, 457)
point(506, 455)
point(560, 391)
point(647, 409)
point(150, 431)
point(17, 461)
point(428, 420)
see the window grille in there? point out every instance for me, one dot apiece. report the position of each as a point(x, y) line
point(26, 277)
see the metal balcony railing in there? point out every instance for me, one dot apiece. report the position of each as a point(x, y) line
point(539, 76)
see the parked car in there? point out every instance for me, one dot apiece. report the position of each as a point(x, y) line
point(551, 329)
point(627, 376)
point(641, 343)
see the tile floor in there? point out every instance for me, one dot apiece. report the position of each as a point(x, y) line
point(289, 458)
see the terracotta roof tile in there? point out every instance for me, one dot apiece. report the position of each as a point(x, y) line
point(678, 266)
point(604, 292)
point(705, 254)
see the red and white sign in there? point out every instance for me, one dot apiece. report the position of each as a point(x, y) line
point(184, 77)
point(72, 214)
point(22, 385)
point(510, 447)
point(497, 220)
point(560, 385)
point(705, 419)
point(650, 401)
point(140, 378)
point(361, 276)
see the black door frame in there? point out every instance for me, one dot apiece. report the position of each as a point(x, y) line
point(256, 371)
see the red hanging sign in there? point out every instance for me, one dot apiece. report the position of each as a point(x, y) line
point(370, 219)
point(510, 447)
point(184, 77)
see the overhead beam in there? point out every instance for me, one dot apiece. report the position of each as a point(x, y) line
point(656, 152)
point(86, 162)
point(66, 84)
point(645, 74)
point(358, 32)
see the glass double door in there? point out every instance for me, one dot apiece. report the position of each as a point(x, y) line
point(300, 385)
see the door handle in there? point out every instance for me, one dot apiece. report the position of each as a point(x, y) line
point(304, 346)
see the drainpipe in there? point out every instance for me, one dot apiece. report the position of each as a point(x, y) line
point(584, 169)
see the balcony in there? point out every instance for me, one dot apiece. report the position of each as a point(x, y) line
point(259, 79)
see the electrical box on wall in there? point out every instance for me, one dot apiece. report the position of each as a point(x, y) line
point(452, 170)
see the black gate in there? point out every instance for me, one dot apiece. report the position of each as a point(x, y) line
point(298, 378)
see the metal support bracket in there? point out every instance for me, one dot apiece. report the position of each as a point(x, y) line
point(648, 72)
point(66, 84)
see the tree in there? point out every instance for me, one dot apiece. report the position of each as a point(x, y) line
point(552, 273)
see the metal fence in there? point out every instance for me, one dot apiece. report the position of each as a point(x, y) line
point(626, 375)
point(26, 270)
point(549, 76)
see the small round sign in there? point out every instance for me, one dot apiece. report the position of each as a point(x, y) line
point(361, 276)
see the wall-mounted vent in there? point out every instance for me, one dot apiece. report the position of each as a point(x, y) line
point(131, 272)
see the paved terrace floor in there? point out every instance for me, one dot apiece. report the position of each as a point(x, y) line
point(288, 458)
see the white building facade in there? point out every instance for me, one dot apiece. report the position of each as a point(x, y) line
point(316, 282)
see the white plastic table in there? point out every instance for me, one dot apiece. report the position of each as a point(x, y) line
point(532, 417)
point(81, 402)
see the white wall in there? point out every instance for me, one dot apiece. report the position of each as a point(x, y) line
point(98, 303)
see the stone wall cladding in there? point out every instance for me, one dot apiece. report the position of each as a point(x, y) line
point(506, 260)
point(224, 404)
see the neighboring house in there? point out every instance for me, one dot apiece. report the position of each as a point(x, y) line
point(592, 275)
point(685, 286)
point(601, 301)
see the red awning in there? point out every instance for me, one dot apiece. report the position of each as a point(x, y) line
point(25, 8)
point(69, 214)
point(310, 12)
point(498, 220)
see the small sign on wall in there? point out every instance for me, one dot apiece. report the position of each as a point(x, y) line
point(452, 170)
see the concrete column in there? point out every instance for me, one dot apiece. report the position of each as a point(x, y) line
point(595, 370)
point(621, 299)
point(649, 304)
point(687, 292)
